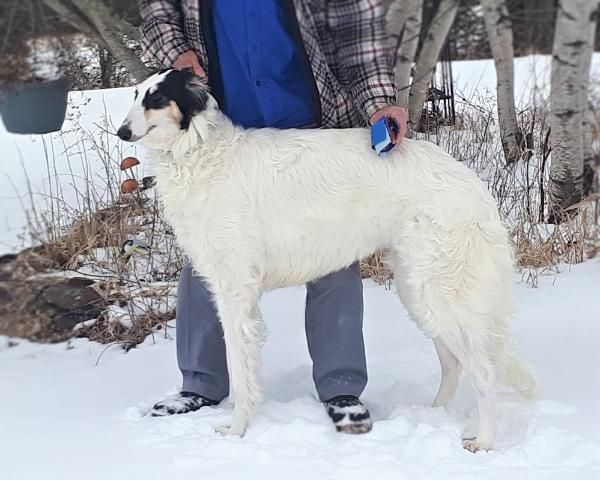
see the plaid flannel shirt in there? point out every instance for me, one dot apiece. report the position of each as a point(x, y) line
point(344, 40)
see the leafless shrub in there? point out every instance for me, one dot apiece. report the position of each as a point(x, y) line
point(519, 189)
point(376, 268)
point(81, 222)
point(104, 330)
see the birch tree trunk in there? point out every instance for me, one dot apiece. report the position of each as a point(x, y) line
point(406, 48)
point(106, 66)
point(574, 23)
point(430, 52)
point(395, 18)
point(588, 117)
point(500, 35)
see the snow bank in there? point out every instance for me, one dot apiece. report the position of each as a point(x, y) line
point(71, 411)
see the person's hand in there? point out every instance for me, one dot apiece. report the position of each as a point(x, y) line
point(189, 59)
point(398, 115)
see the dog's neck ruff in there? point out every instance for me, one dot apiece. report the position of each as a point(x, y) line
point(197, 151)
point(208, 131)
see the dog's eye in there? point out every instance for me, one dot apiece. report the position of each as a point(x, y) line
point(156, 100)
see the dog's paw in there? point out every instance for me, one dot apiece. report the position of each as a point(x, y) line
point(230, 430)
point(473, 445)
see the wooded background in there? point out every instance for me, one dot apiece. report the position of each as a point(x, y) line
point(533, 23)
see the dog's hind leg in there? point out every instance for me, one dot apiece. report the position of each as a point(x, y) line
point(451, 370)
point(456, 348)
point(480, 369)
point(473, 353)
point(243, 333)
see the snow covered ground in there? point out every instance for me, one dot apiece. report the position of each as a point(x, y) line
point(70, 411)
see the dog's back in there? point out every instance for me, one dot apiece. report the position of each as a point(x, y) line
point(322, 199)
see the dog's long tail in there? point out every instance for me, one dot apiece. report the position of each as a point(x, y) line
point(514, 373)
point(510, 370)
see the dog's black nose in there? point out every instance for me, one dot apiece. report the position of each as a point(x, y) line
point(124, 133)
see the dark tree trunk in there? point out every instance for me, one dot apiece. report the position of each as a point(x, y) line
point(106, 67)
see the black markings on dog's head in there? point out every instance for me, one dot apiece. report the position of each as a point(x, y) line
point(189, 93)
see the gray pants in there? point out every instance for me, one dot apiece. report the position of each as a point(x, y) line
point(334, 311)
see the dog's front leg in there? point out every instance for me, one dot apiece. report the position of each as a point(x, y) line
point(237, 306)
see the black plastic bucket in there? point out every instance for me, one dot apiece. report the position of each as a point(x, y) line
point(34, 108)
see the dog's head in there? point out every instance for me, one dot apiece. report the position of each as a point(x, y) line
point(163, 106)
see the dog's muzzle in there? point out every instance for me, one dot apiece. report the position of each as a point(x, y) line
point(124, 133)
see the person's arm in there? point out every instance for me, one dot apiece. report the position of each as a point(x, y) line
point(358, 27)
point(163, 38)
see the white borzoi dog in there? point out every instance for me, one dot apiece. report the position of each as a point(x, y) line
point(265, 208)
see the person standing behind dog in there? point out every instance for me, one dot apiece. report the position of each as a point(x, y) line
point(281, 64)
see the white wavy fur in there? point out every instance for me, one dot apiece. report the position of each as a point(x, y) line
point(262, 209)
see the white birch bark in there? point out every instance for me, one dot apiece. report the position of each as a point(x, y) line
point(430, 52)
point(500, 36)
point(574, 22)
point(395, 18)
point(407, 48)
point(588, 117)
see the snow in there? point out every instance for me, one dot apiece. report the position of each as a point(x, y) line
point(77, 411)
point(476, 79)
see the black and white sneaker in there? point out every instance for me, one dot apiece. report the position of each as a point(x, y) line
point(348, 414)
point(183, 402)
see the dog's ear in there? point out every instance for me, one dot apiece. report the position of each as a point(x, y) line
point(189, 92)
point(198, 88)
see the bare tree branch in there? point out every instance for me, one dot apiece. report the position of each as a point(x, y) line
point(93, 17)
